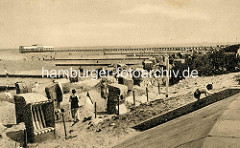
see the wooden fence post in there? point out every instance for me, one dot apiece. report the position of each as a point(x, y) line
point(147, 93)
point(64, 124)
point(134, 103)
point(168, 74)
point(158, 88)
point(118, 105)
point(95, 109)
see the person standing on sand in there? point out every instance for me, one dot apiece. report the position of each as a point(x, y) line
point(74, 99)
point(199, 91)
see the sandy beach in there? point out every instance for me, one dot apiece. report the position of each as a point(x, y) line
point(106, 130)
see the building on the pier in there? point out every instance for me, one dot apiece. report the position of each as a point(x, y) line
point(35, 48)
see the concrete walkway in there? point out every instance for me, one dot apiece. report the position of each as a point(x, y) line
point(226, 131)
point(216, 125)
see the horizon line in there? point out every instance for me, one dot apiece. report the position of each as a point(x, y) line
point(142, 45)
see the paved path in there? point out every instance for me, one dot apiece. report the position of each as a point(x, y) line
point(226, 131)
point(205, 127)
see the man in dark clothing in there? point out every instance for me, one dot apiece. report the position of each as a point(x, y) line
point(74, 99)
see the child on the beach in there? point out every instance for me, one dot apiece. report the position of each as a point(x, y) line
point(198, 92)
point(74, 99)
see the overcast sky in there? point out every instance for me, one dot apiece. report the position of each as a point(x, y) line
point(117, 22)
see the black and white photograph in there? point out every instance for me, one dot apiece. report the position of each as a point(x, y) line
point(120, 73)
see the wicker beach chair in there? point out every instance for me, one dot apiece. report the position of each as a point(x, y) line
point(116, 91)
point(37, 112)
point(23, 87)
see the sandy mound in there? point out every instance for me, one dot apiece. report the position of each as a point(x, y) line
point(2, 128)
point(7, 111)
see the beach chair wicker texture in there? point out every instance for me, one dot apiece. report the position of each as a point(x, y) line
point(54, 92)
point(116, 91)
point(38, 115)
point(23, 87)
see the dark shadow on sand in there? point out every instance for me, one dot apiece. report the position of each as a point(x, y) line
point(17, 136)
